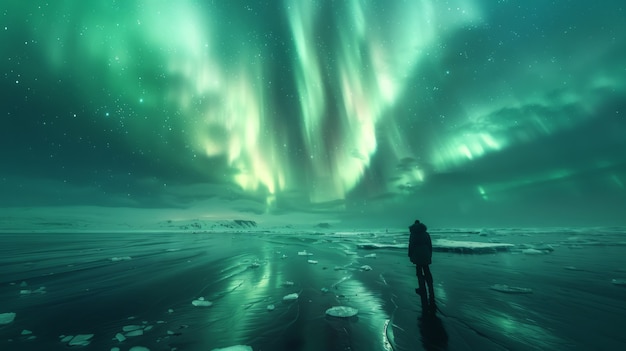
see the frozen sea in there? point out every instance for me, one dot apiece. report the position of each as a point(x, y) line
point(499, 289)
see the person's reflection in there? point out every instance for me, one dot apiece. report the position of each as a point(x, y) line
point(434, 335)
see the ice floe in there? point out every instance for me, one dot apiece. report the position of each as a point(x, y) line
point(445, 245)
point(6, 318)
point(201, 302)
point(533, 252)
point(572, 268)
point(620, 282)
point(120, 337)
point(235, 348)
point(342, 311)
point(81, 340)
point(122, 258)
point(536, 249)
point(373, 246)
point(510, 289)
point(41, 290)
point(290, 297)
point(138, 332)
point(130, 328)
point(312, 261)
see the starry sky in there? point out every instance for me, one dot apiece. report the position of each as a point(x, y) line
point(460, 113)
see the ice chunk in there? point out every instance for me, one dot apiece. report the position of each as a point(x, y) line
point(312, 261)
point(469, 246)
point(533, 252)
point(620, 282)
point(348, 252)
point(255, 264)
point(370, 256)
point(342, 311)
point(122, 258)
point(65, 339)
point(139, 348)
point(137, 332)
point(26, 332)
point(283, 257)
point(290, 297)
point(288, 283)
point(271, 307)
point(128, 328)
point(324, 290)
point(304, 253)
point(235, 348)
point(120, 337)
point(6, 318)
point(81, 340)
point(201, 302)
point(510, 289)
point(373, 246)
point(366, 268)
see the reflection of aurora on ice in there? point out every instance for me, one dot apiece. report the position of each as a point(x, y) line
point(225, 289)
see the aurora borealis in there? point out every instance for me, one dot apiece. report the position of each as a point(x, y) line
point(463, 112)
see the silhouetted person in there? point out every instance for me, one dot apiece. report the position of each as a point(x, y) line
point(421, 253)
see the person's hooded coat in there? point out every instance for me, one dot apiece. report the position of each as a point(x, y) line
point(420, 244)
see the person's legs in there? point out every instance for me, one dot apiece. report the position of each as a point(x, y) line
point(420, 280)
point(429, 280)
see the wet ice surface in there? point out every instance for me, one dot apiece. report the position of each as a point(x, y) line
point(547, 290)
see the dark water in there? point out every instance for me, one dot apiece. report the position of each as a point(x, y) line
point(69, 284)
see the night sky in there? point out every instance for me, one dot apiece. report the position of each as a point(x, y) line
point(460, 113)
